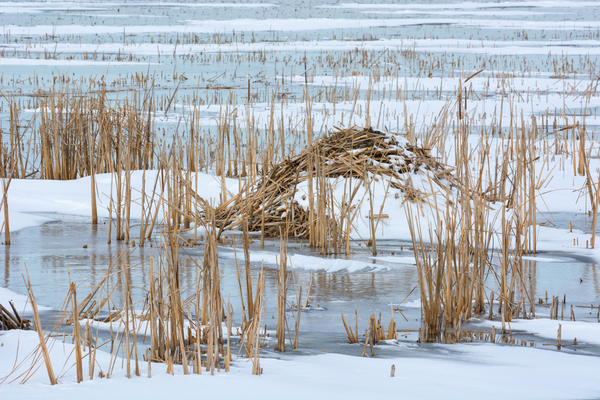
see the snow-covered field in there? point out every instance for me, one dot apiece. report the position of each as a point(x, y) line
point(452, 372)
point(396, 66)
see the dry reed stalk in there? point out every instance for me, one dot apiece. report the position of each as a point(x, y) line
point(5, 186)
point(237, 268)
point(92, 163)
point(198, 355)
point(595, 206)
point(76, 334)
point(13, 160)
point(131, 309)
point(126, 311)
point(310, 165)
point(110, 210)
point(212, 299)
point(430, 270)
point(355, 322)
point(127, 205)
point(143, 220)
point(229, 320)
point(392, 333)
point(86, 307)
point(38, 327)
point(352, 338)
point(253, 335)
point(246, 244)
point(372, 214)
point(149, 229)
point(282, 283)
point(310, 281)
point(12, 320)
point(371, 336)
point(298, 315)
point(262, 219)
point(6, 225)
point(152, 306)
point(92, 354)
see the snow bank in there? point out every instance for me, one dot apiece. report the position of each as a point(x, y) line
point(74, 196)
point(456, 372)
point(328, 264)
point(584, 331)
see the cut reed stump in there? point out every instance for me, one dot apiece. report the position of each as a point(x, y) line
point(270, 203)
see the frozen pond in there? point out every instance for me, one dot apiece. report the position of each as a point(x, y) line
point(54, 250)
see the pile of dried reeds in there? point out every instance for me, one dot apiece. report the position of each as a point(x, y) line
point(12, 320)
point(269, 204)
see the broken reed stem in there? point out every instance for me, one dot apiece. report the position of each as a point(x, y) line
point(351, 337)
point(392, 333)
point(310, 281)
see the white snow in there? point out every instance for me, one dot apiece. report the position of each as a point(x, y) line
point(328, 264)
point(454, 372)
point(74, 196)
point(585, 331)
